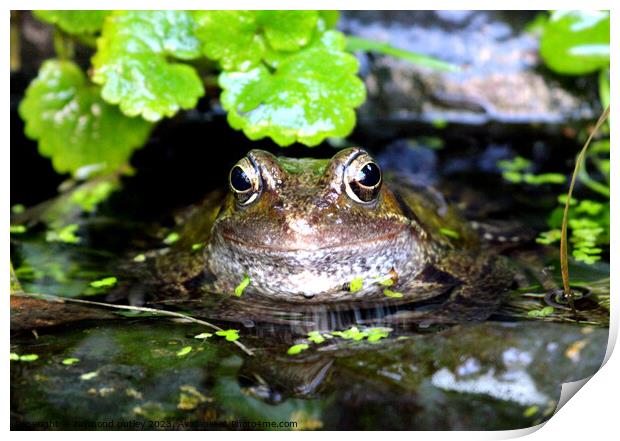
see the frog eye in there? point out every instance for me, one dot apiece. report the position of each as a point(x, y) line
point(362, 179)
point(245, 181)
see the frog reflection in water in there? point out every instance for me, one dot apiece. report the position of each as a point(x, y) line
point(302, 230)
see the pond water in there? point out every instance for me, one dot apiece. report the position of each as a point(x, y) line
point(135, 370)
point(359, 368)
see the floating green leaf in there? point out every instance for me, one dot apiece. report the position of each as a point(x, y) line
point(229, 334)
point(89, 375)
point(310, 96)
point(172, 238)
point(392, 294)
point(65, 234)
point(544, 312)
point(70, 361)
point(28, 357)
point(350, 334)
point(73, 125)
point(242, 286)
point(89, 196)
point(198, 246)
point(18, 209)
point(316, 337)
point(296, 349)
point(376, 334)
point(356, 284)
point(203, 336)
point(74, 22)
point(449, 233)
point(385, 280)
point(134, 63)
point(18, 229)
point(516, 164)
point(106, 282)
point(576, 42)
point(184, 351)
point(14, 356)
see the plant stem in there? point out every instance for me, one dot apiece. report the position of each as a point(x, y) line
point(137, 308)
point(363, 44)
point(564, 241)
point(16, 56)
point(593, 185)
point(63, 45)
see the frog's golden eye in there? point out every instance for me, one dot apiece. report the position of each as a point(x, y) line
point(362, 179)
point(245, 181)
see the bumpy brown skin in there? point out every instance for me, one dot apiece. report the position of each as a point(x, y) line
point(304, 239)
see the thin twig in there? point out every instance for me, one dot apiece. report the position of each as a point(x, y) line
point(137, 308)
point(564, 241)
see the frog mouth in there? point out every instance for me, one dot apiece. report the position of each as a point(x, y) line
point(376, 241)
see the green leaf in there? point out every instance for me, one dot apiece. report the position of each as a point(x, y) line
point(89, 375)
point(73, 125)
point(296, 349)
point(230, 37)
point(310, 96)
point(14, 356)
point(589, 207)
point(544, 312)
point(28, 357)
point(198, 246)
point(89, 196)
point(18, 229)
point(65, 234)
point(329, 18)
point(18, 209)
point(576, 42)
point(363, 44)
point(240, 39)
point(242, 286)
point(356, 284)
point(172, 238)
point(392, 294)
point(350, 334)
point(288, 30)
point(450, 233)
point(139, 258)
point(544, 178)
point(74, 22)
point(376, 334)
point(385, 280)
point(603, 90)
point(203, 336)
point(229, 334)
point(316, 337)
point(549, 237)
point(134, 62)
point(70, 361)
point(184, 351)
point(512, 176)
point(106, 282)
point(516, 164)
